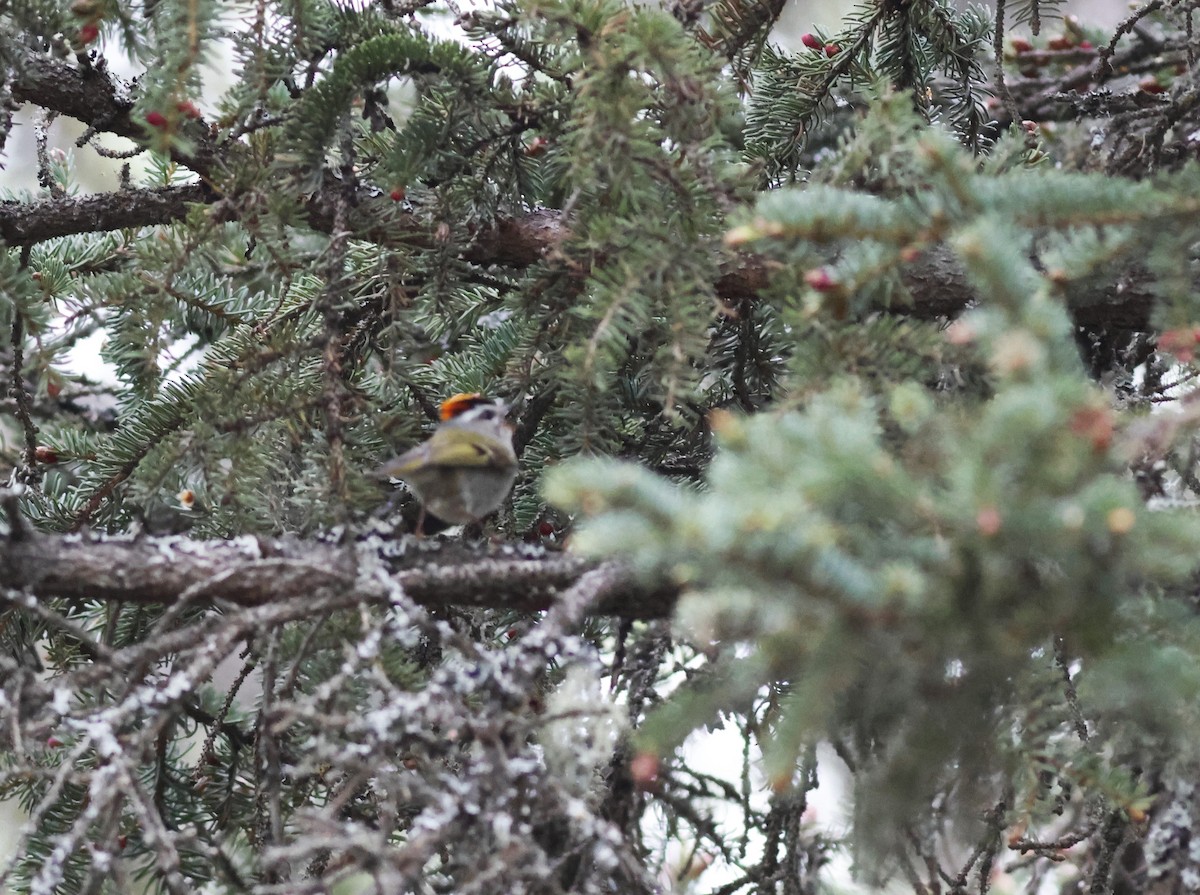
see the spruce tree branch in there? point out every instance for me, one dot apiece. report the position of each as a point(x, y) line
point(1006, 96)
point(254, 572)
point(26, 223)
point(736, 24)
point(91, 95)
point(937, 282)
point(1104, 57)
point(105, 490)
point(28, 470)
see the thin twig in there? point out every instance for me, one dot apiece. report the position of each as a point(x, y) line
point(1077, 718)
point(29, 471)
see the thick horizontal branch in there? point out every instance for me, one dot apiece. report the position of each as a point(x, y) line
point(936, 280)
point(26, 223)
point(256, 571)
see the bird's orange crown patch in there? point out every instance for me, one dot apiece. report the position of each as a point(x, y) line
point(458, 404)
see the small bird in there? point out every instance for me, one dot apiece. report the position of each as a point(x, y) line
point(467, 467)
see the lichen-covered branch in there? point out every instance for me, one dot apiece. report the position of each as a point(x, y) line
point(256, 571)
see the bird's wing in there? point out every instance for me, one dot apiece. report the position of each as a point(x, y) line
point(397, 467)
point(450, 449)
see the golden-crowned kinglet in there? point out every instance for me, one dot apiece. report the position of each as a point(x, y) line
point(467, 467)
